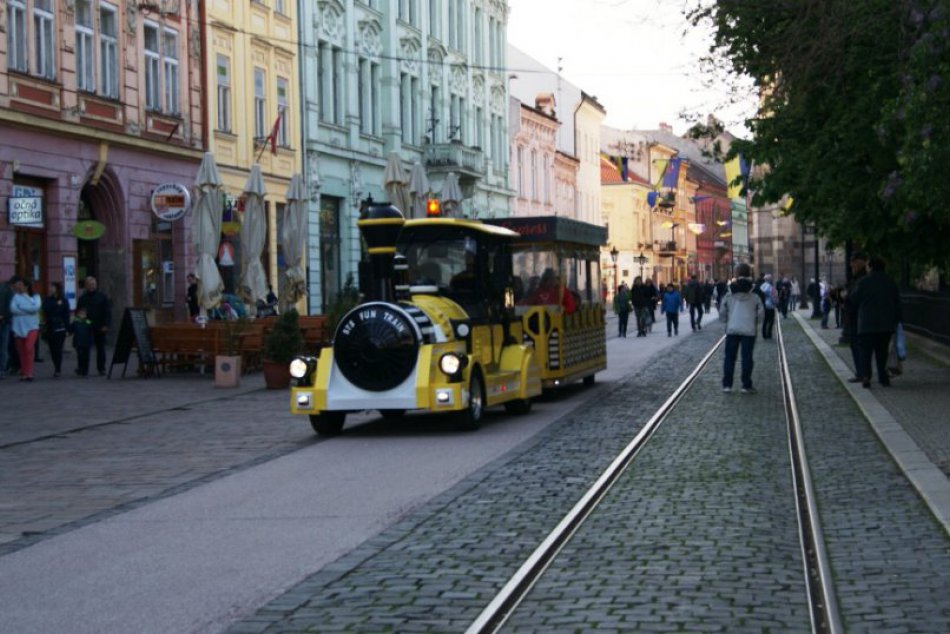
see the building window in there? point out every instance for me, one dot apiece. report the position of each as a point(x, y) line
point(435, 114)
point(435, 18)
point(534, 175)
point(153, 62)
point(479, 48)
point(108, 51)
point(224, 93)
point(368, 96)
point(172, 99)
point(85, 62)
point(521, 180)
point(45, 39)
point(282, 133)
point(279, 7)
point(260, 105)
point(16, 36)
point(330, 81)
point(479, 128)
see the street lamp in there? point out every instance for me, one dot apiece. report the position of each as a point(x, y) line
point(641, 260)
point(614, 253)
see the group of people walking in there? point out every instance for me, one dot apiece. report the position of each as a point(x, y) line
point(21, 327)
point(869, 307)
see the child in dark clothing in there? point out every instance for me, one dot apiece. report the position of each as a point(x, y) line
point(81, 329)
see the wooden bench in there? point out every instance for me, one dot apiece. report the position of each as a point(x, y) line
point(184, 346)
point(314, 329)
point(181, 346)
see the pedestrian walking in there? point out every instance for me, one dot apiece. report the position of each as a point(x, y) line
point(99, 312)
point(794, 293)
point(83, 336)
point(878, 303)
point(741, 312)
point(56, 312)
point(849, 322)
point(6, 296)
point(769, 296)
point(670, 305)
point(693, 294)
point(784, 288)
point(708, 290)
point(25, 309)
point(639, 296)
point(653, 296)
point(622, 309)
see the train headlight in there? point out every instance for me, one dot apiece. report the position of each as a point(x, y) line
point(451, 363)
point(302, 369)
point(298, 368)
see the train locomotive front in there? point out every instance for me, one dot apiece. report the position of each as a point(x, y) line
point(437, 330)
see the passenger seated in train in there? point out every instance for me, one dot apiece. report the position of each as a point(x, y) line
point(548, 291)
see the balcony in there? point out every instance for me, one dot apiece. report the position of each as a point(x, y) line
point(667, 249)
point(454, 157)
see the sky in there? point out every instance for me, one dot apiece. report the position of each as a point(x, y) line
point(638, 57)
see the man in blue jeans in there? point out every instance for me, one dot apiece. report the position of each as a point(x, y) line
point(741, 311)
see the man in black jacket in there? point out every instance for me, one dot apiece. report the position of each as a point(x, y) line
point(99, 312)
point(878, 303)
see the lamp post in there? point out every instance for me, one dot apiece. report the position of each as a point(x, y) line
point(614, 253)
point(641, 260)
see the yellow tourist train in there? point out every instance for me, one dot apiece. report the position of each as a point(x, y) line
point(458, 315)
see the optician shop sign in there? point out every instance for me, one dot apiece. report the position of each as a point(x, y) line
point(25, 207)
point(171, 201)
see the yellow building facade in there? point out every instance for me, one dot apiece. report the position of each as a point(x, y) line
point(252, 92)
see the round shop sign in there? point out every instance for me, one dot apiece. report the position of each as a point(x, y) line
point(89, 230)
point(171, 201)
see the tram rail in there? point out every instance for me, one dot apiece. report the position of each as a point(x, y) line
point(817, 581)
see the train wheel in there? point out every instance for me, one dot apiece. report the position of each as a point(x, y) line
point(589, 380)
point(328, 423)
point(470, 418)
point(519, 407)
point(390, 414)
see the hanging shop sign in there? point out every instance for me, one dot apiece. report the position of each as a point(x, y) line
point(171, 201)
point(25, 207)
point(89, 230)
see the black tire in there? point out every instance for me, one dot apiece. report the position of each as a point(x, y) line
point(470, 418)
point(328, 423)
point(590, 380)
point(519, 407)
point(390, 414)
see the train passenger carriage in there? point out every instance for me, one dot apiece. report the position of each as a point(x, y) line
point(556, 264)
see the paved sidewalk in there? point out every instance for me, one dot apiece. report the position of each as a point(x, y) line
point(910, 417)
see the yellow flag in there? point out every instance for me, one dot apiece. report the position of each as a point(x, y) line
point(733, 170)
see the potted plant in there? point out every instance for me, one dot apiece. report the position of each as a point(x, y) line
point(345, 300)
point(227, 366)
point(281, 345)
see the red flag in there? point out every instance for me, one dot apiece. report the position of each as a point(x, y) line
point(273, 135)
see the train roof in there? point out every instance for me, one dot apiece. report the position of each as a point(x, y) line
point(462, 223)
point(553, 229)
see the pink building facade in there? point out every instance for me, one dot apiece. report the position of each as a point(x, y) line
point(101, 130)
point(544, 178)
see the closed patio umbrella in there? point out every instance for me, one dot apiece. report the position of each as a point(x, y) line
point(293, 242)
point(451, 192)
point(419, 190)
point(396, 183)
point(253, 234)
point(206, 232)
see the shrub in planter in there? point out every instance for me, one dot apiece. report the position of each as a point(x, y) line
point(282, 344)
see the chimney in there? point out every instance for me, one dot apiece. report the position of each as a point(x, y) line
point(545, 103)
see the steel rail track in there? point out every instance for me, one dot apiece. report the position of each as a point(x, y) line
point(496, 613)
point(823, 608)
point(823, 605)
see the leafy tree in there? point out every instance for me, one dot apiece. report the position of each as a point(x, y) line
point(853, 120)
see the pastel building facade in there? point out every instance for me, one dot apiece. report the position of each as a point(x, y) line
point(252, 101)
point(100, 107)
point(424, 79)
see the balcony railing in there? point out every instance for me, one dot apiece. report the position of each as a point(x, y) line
point(454, 157)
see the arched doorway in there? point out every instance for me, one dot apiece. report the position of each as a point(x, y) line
point(105, 258)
